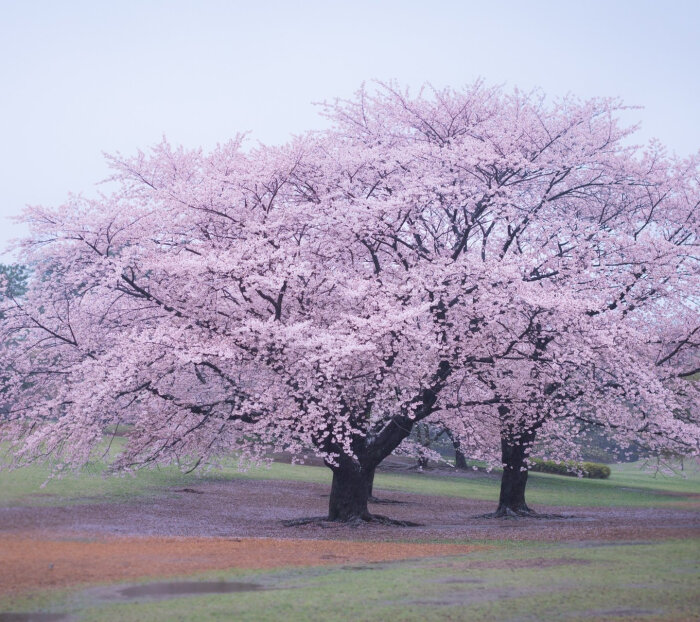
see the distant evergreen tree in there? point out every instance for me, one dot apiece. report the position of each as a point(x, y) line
point(13, 280)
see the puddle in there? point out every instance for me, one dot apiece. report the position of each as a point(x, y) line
point(473, 596)
point(598, 543)
point(617, 613)
point(534, 563)
point(183, 588)
point(34, 617)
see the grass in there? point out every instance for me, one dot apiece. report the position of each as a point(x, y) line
point(656, 581)
point(29, 485)
point(622, 489)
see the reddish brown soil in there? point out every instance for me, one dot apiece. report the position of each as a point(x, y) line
point(32, 561)
point(180, 532)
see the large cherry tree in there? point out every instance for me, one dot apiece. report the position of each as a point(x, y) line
point(217, 303)
point(487, 255)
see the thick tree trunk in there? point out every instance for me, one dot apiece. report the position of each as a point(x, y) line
point(514, 452)
point(353, 479)
point(349, 492)
point(513, 480)
point(370, 483)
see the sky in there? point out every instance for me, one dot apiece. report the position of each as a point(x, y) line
point(80, 79)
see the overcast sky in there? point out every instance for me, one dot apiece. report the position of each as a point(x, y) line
point(81, 78)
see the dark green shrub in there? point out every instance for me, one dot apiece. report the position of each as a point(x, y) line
point(591, 470)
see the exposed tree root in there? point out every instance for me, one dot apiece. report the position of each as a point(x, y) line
point(522, 512)
point(385, 520)
point(356, 521)
point(374, 499)
point(321, 521)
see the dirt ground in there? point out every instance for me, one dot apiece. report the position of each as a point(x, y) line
point(255, 509)
point(238, 523)
point(31, 560)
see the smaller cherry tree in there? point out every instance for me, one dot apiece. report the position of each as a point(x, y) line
point(620, 358)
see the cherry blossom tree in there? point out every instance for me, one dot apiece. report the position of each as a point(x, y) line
point(618, 354)
point(213, 305)
point(591, 245)
point(487, 255)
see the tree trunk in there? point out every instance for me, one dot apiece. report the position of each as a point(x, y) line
point(352, 480)
point(370, 482)
point(349, 492)
point(514, 451)
point(460, 458)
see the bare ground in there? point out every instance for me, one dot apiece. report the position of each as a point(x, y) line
point(32, 560)
point(247, 508)
point(238, 523)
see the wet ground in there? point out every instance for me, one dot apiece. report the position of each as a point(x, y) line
point(249, 508)
point(239, 524)
point(44, 559)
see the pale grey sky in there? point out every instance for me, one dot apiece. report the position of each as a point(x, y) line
point(81, 78)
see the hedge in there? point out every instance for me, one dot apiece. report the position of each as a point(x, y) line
point(592, 470)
